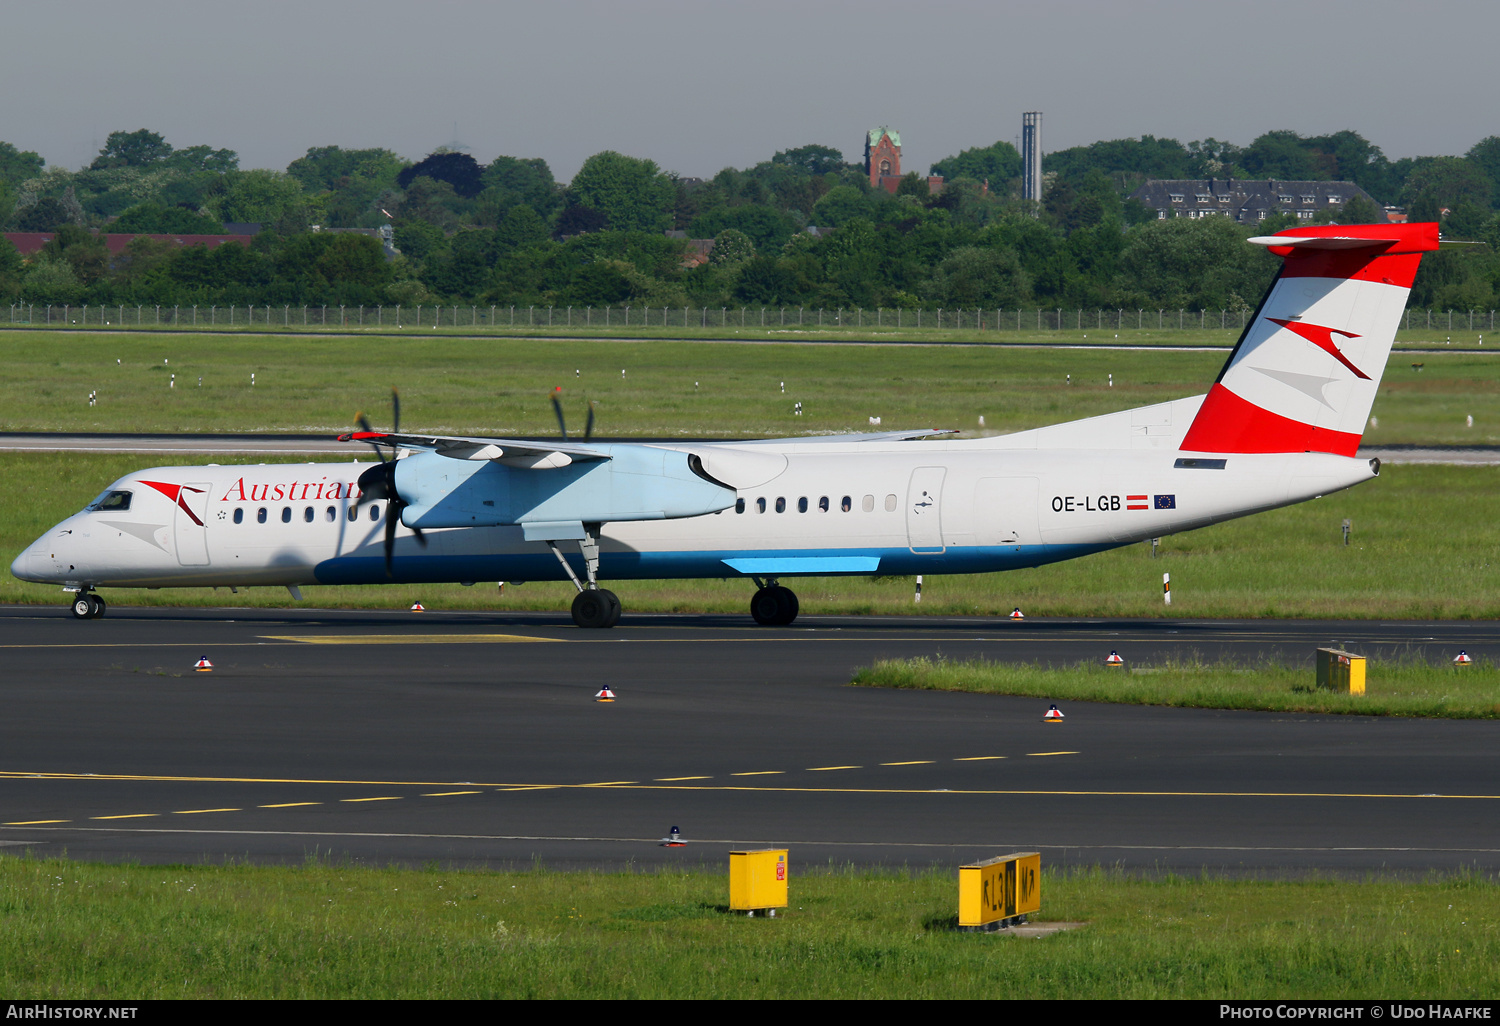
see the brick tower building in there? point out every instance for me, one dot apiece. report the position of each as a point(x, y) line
point(883, 158)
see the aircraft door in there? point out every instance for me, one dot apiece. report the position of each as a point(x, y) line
point(924, 523)
point(188, 528)
point(1005, 511)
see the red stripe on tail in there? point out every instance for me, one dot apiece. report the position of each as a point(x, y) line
point(1227, 423)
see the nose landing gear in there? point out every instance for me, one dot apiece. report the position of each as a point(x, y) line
point(87, 606)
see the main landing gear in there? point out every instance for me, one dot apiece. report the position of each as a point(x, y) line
point(773, 605)
point(593, 606)
point(87, 606)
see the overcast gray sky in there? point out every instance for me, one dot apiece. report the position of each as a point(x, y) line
point(697, 85)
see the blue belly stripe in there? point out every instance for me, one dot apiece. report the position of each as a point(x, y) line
point(805, 565)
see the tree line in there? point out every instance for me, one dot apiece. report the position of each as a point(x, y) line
point(803, 228)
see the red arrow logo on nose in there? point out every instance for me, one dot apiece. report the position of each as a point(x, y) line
point(174, 492)
point(1322, 338)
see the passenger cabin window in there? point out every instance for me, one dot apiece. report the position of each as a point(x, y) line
point(890, 504)
point(867, 504)
point(760, 505)
point(331, 514)
point(802, 504)
point(353, 513)
point(239, 515)
point(260, 515)
point(739, 505)
point(847, 504)
point(286, 514)
point(110, 502)
point(823, 504)
point(374, 511)
point(780, 504)
point(307, 514)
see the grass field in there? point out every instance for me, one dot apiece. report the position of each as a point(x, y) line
point(78, 930)
point(1423, 547)
point(500, 386)
point(1402, 687)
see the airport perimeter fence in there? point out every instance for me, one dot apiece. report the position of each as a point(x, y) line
point(425, 317)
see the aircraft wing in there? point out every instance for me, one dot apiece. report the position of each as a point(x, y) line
point(510, 451)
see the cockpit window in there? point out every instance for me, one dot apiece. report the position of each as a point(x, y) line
point(109, 502)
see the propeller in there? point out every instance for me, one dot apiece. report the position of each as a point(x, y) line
point(562, 425)
point(379, 482)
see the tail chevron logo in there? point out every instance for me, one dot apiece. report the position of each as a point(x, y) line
point(174, 492)
point(1322, 338)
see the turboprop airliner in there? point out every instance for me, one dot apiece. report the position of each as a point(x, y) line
point(1282, 424)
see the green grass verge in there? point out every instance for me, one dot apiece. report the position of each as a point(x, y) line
point(1402, 687)
point(84, 931)
point(1424, 539)
point(501, 386)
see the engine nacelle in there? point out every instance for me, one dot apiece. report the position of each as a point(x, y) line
point(638, 482)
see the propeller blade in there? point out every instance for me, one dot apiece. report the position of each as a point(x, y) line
point(588, 430)
point(378, 482)
point(364, 425)
point(392, 511)
point(561, 424)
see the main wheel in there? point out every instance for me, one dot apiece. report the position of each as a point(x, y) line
point(593, 609)
point(615, 608)
point(83, 607)
point(99, 607)
point(774, 607)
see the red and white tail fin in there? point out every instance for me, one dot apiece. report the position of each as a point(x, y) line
point(1306, 370)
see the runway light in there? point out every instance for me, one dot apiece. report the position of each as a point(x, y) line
point(673, 839)
point(417, 607)
point(606, 695)
point(1463, 659)
point(1016, 614)
point(1054, 715)
point(1114, 659)
point(203, 665)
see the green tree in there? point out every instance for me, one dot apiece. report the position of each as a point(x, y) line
point(1359, 210)
point(258, 196)
point(1191, 263)
point(51, 280)
point(416, 240)
point(513, 181)
point(841, 205)
point(132, 149)
point(810, 160)
point(331, 168)
point(1445, 182)
point(521, 226)
point(16, 166)
point(731, 247)
point(632, 193)
point(45, 215)
point(82, 249)
point(767, 228)
point(1486, 155)
point(155, 219)
point(12, 270)
point(996, 163)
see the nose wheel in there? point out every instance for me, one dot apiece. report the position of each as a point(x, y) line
point(774, 606)
point(88, 606)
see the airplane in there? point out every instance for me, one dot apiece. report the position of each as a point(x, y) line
point(1280, 425)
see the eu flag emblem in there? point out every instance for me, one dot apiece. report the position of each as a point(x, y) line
point(1166, 501)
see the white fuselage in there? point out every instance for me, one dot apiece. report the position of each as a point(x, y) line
point(834, 508)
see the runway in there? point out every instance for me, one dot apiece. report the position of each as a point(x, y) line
point(474, 739)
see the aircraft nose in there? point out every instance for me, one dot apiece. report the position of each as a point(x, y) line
point(23, 566)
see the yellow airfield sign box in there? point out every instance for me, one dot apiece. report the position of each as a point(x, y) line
point(757, 879)
point(1000, 888)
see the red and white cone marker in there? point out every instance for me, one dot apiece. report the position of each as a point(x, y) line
point(673, 840)
point(605, 695)
point(203, 665)
point(1463, 659)
point(1054, 715)
point(1114, 659)
point(1016, 614)
point(417, 607)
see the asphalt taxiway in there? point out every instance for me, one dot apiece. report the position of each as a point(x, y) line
point(470, 738)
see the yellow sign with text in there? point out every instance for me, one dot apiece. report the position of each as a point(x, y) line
point(758, 879)
point(1000, 888)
